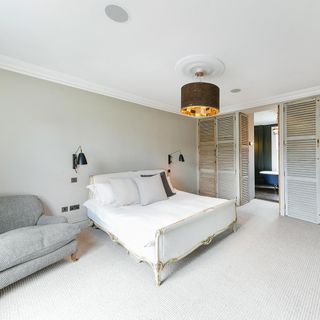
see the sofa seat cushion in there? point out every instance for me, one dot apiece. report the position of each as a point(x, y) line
point(24, 244)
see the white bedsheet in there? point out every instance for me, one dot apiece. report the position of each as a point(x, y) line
point(136, 225)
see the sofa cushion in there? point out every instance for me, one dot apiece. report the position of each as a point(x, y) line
point(19, 211)
point(24, 244)
point(43, 220)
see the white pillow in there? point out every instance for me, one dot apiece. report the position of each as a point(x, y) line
point(125, 191)
point(150, 189)
point(102, 192)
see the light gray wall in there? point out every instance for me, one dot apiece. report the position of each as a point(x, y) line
point(42, 124)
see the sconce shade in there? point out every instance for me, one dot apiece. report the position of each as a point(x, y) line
point(78, 159)
point(200, 99)
point(181, 158)
point(82, 160)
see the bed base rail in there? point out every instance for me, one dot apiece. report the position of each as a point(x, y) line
point(191, 233)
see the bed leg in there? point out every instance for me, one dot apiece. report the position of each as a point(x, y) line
point(157, 273)
point(234, 227)
point(94, 226)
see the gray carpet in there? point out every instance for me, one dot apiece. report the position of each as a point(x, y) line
point(269, 269)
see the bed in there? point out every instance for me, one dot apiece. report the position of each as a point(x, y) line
point(166, 231)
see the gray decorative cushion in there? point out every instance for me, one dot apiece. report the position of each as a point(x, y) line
point(24, 244)
point(165, 182)
point(150, 189)
point(19, 211)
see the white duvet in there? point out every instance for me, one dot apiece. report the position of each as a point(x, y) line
point(136, 225)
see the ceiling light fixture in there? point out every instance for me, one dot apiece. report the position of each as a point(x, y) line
point(235, 90)
point(116, 13)
point(201, 98)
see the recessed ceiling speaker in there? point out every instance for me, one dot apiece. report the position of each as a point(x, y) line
point(116, 13)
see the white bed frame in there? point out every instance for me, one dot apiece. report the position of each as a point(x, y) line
point(177, 240)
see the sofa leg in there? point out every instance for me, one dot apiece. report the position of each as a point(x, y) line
point(74, 257)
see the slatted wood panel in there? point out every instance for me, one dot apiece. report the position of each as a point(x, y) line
point(301, 159)
point(207, 157)
point(226, 152)
point(244, 158)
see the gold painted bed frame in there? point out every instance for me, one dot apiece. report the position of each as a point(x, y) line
point(159, 266)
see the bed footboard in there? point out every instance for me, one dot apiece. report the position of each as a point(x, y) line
point(179, 239)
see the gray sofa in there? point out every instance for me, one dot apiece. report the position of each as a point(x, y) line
point(29, 240)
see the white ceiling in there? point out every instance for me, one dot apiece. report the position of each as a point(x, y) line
point(270, 48)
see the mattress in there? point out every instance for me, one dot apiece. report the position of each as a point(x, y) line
point(136, 225)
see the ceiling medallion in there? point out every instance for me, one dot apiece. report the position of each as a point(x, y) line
point(200, 99)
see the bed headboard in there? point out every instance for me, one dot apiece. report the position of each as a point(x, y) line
point(102, 178)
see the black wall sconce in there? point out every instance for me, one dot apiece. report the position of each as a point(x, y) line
point(78, 158)
point(181, 157)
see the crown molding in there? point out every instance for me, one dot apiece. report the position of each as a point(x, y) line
point(281, 98)
point(19, 66)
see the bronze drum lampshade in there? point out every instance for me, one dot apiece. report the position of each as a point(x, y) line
point(200, 99)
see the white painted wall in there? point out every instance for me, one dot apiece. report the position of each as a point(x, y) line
point(42, 124)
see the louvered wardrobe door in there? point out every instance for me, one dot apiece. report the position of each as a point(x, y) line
point(301, 159)
point(226, 164)
point(244, 158)
point(207, 157)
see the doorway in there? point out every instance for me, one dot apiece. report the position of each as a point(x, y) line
point(266, 154)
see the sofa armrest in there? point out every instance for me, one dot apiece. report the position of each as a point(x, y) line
point(43, 220)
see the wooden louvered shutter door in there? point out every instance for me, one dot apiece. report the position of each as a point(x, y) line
point(301, 157)
point(207, 157)
point(226, 157)
point(244, 158)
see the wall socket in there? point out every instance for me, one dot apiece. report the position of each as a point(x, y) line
point(74, 179)
point(75, 207)
point(64, 209)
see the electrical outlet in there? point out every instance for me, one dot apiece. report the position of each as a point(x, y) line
point(75, 207)
point(64, 209)
point(74, 179)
